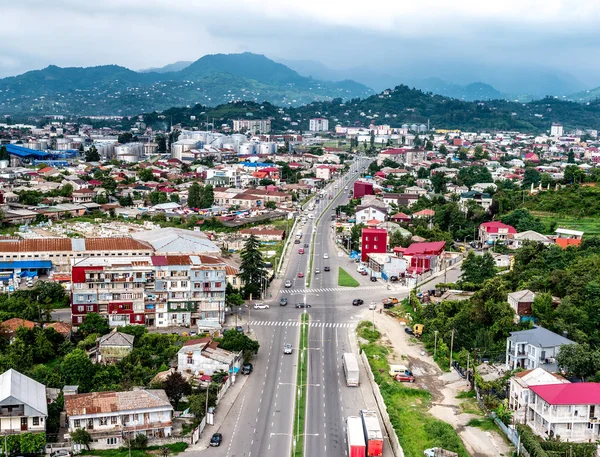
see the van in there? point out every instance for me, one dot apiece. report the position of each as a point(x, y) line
point(398, 369)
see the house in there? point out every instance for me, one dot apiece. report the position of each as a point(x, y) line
point(373, 240)
point(519, 395)
point(492, 232)
point(62, 328)
point(425, 213)
point(204, 357)
point(566, 237)
point(533, 348)
point(23, 406)
point(368, 213)
point(323, 172)
point(483, 186)
point(263, 234)
point(568, 410)
point(422, 257)
point(386, 265)
point(416, 190)
point(112, 418)
point(519, 239)
point(521, 302)
point(482, 199)
point(10, 326)
point(362, 188)
point(83, 196)
point(113, 347)
point(400, 218)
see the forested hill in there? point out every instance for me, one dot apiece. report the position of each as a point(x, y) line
point(404, 105)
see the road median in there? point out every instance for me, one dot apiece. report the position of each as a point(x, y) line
point(301, 380)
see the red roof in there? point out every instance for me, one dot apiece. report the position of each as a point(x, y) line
point(425, 212)
point(580, 393)
point(374, 231)
point(373, 222)
point(493, 227)
point(400, 216)
point(434, 247)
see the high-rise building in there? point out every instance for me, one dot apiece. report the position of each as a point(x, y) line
point(319, 124)
point(556, 130)
point(252, 125)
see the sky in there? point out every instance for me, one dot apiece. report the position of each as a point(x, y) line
point(508, 42)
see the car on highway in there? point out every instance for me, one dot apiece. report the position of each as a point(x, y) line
point(306, 245)
point(287, 348)
point(296, 241)
point(373, 279)
point(357, 302)
point(300, 251)
point(288, 283)
point(326, 268)
point(317, 271)
point(301, 275)
point(283, 301)
point(261, 306)
point(372, 305)
point(325, 256)
point(216, 440)
point(247, 368)
point(302, 305)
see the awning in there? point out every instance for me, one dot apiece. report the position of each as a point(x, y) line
point(26, 264)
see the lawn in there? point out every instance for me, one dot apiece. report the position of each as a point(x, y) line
point(588, 225)
point(408, 407)
point(345, 280)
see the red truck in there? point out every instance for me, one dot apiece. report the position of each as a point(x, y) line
point(356, 437)
point(373, 434)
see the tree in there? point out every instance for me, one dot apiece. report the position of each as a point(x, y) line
point(174, 197)
point(237, 341)
point(542, 309)
point(81, 436)
point(573, 174)
point(428, 145)
point(4, 154)
point(161, 141)
point(252, 270)
point(571, 157)
point(207, 196)
point(78, 370)
point(522, 220)
point(176, 387)
point(578, 360)
point(474, 174)
point(443, 149)
point(145, 174)
point(194, 197)
point(271, 205)
point(438, 181)
point(92, 155)
point(125, 137)
point(66, 190)
point(531, 176)
point(94, 323)
point(477, 268)
point(480, 153)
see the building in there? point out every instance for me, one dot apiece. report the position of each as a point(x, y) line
point(130, 152)
point(10, 326)
point(386, 265)
point(362, 188)
point(568, 410)
point(521, 302)
point(533, 348)
point(83, 196)
point(368, 213)
point(157, 291)
point(556, 130)
point(113, 347)
point(373, 240)
point(318, 124)
point(424, 257)
point(493, 232)
point(204, 357)
point(252, 125)
point(519, 395)
point(23, 406)
point(112, 418)
point(519, 239)
point(567, 237)
point(177, 241)
point(482, 199)
point(323, 172)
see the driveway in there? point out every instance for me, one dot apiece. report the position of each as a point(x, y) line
point(444, 387)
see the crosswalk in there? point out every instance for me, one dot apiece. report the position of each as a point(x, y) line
point(327, 289)
point(297, 323)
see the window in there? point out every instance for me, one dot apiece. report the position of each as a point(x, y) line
point(366, 238)
point(184, 283)
point(81, 309)
point(36, 421)
point(375, 246)
point(113, 420)
point(366, 246)
point(218, 285)
point(103, 420)
point(590, 426)
point(375, 238)
point(77, 423)
point(569, 426)
point(90, 423)
point(190, 358)
point(112, 440)
point(90, 308)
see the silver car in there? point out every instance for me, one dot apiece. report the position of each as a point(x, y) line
point(288, 283)
point(287, 348)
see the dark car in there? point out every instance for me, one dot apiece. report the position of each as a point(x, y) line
point(357, 302)
point(283, 301)
point(393, 278)
point(302, 305)
point(296, 241)
point(326, 269)
point(409, 330)
point(240, 329)
point(373, 279)
point(247, 368)
point(305, 245)
point(216, 440)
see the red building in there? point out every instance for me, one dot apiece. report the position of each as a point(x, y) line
point(423, 257)
point(373, 240)
point(362, 188)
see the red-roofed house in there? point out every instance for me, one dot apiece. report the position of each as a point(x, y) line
point(568, 410)
point(424, 213)
point(400, 217)
point(531, 157)
point(422, 257)
point(373, 240)
point(492, 232)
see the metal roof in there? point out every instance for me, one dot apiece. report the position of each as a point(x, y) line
point(18, 388)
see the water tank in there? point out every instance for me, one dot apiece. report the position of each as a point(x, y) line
point(247, 148)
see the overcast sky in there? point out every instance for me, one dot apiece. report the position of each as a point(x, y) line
point(463, 41)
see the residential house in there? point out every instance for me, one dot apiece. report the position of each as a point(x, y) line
point(424, 213)
point(519, 395)
point(64, 329)
point(113, 347)
point(362, 188)
point(10, 326)
point(204, 357)
point(519, 239)
point(263, 234)
point(483, 186)
point(570, 411)
point(373, 240)
point(424, 257)
point(368, 213)
point(521, 302)
point(400, 218)
point(386, 265)
point(83, 195)
point(323, 172)
point(23, 406)
point(112, 418)
point(493, 232)
point(533, 348)
point(567, 237)
point(399, 199)
point(415, 190)
point(482, 199)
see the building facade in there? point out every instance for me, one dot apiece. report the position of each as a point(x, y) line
point(533, 348)
point(23, 406)
point(373, 240)
point(252, 125)
point(318, 124)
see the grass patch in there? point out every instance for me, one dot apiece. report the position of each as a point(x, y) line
point(589, 225)
point(408, 407)
point(174, 448)
point(365, 331)
point(345, 280)
point(470, 406)
point(467, 394)
point(300, 407)
point(486, 424)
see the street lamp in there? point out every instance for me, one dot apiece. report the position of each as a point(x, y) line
point(435, 344)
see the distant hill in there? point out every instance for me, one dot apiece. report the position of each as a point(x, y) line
point(469, 92)
point(176, 66)
point(585, 96)
point(211, 80)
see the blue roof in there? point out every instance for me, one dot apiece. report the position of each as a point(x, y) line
point(23, 153)
point(25, 264)
point(256, 164)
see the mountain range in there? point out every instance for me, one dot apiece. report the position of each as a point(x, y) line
point(211, 80)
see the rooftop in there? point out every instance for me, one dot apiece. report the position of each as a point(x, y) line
point(112, 402)
point(539, 336)
point(581, 393)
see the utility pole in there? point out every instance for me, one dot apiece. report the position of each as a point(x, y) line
point(468, 360)
point(435, 344)
point(451, 347)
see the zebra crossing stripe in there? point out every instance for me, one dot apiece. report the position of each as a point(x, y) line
point(296, 324)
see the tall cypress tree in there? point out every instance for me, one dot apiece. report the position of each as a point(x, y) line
point(252, 269)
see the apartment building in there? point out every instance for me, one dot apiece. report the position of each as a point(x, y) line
point(252, 125)
point(318, 124)
point(157, 291)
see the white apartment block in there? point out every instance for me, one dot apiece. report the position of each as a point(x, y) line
point(318, 124)
point(252, 125)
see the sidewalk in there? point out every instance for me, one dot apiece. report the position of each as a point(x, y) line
point(221, 413)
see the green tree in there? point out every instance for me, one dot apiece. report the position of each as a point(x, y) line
point(522, 220)
point(438, 181)
point(238, 341)
point(207, 196)
point(194, 196)
point(271, 205)
point(531, 176)
point(542, 309)
point(571, 157)
point(81, 436)
point(579, 360)
point(443, 149)
point(66, 190)
point(145, 174)
point(32, 443)
point(174, 197)
point(573, 174)
point(92, 155)
point(477, 268)
point(428, 145)
point(252, 270)
point(176, 387)
point(4, 154)
point(93, 323)
point(78, 370)
point(161, 141)
point(125, 137)
point(474, 174)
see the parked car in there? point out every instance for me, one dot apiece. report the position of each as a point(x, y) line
point(216, 440)
point(300, 251)
point(364, 273)
point(405, 376)
point(288, 283)
point(247, 368)
point(302, 305)
point(409, 330)
point(240, 329)
point(357, 302)
point(325, 256)
point(301, 275)
point(317, 271)
point(372, 305)
point(261, 306)
point(393, 278)
point(326, 268)
point(296, 241)
point(373, 279)
point(283, 301)
point(287, 348)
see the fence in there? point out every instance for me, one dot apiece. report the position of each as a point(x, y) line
point(389, 429)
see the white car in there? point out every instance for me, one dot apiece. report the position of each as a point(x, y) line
point(287, 348)
point(288, 283)
point(372, 305)
point(325, 256)
point(261, 306)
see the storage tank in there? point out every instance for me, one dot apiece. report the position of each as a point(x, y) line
point(247, 149)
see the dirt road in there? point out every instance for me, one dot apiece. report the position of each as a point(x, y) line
point(444, 387)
